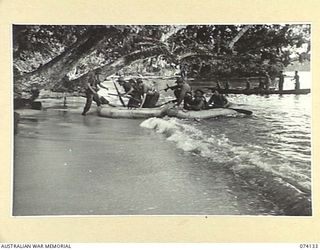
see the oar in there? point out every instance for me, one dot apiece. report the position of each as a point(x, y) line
point(243, 111)
point(120, 98)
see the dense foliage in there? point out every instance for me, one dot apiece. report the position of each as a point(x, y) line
point(58, 54)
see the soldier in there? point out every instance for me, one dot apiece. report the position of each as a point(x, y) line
point(92, 87)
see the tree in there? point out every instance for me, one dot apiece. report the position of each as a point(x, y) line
point(60, 57)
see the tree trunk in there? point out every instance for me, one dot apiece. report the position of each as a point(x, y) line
point(238, 36)
point(52, 72)
point(120, 63)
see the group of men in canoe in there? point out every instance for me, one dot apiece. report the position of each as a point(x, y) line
point(264, 84)
point(142, 95)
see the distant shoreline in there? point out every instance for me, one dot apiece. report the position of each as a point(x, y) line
point(305, 66)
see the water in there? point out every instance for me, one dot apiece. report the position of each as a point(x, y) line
point(269, 151)
point(66, 164)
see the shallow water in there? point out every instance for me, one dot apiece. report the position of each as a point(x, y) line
point(66, 164)
point(269, 151)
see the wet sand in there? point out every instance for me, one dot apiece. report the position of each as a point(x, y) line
point(67, 164)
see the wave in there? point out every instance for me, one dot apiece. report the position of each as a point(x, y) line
point(256, 166)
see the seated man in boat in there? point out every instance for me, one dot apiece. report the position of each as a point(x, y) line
point(198, 103)
point(247, 84)
point(148, 94)
point(183, 93)
point(92, 87)
point(217, 100)
point(218, 85)
point(227, 85)
point(130, 91)
point(268, 81)
point(261, 83)
point(281, 80)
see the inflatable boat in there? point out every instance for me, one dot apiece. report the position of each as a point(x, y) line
point(202, 114)
point(123, 112)
point(169, 110)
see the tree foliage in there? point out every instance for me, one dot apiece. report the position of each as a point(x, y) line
point(55, 55)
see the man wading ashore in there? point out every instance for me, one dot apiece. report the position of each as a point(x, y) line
point(91, 90)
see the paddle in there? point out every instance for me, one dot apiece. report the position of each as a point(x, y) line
point(243, 111)
point(119, 95)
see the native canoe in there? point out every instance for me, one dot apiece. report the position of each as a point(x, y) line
point(265, 92)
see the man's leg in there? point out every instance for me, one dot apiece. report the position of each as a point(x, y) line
point(88, 103)
point(176, 93)
point(97, 100)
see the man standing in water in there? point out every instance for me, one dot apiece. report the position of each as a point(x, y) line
point(92, 87)
point(297, 79)
point(281, 80)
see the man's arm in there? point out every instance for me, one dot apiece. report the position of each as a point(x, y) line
point(145, 90)
point(90, 87)
point(127, 86)
point(143, 99)
point(129, 92)
point(171, 87)
point(102, 86)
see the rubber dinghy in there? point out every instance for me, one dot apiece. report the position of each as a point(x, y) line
point(202, 114)
point(123, 112)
